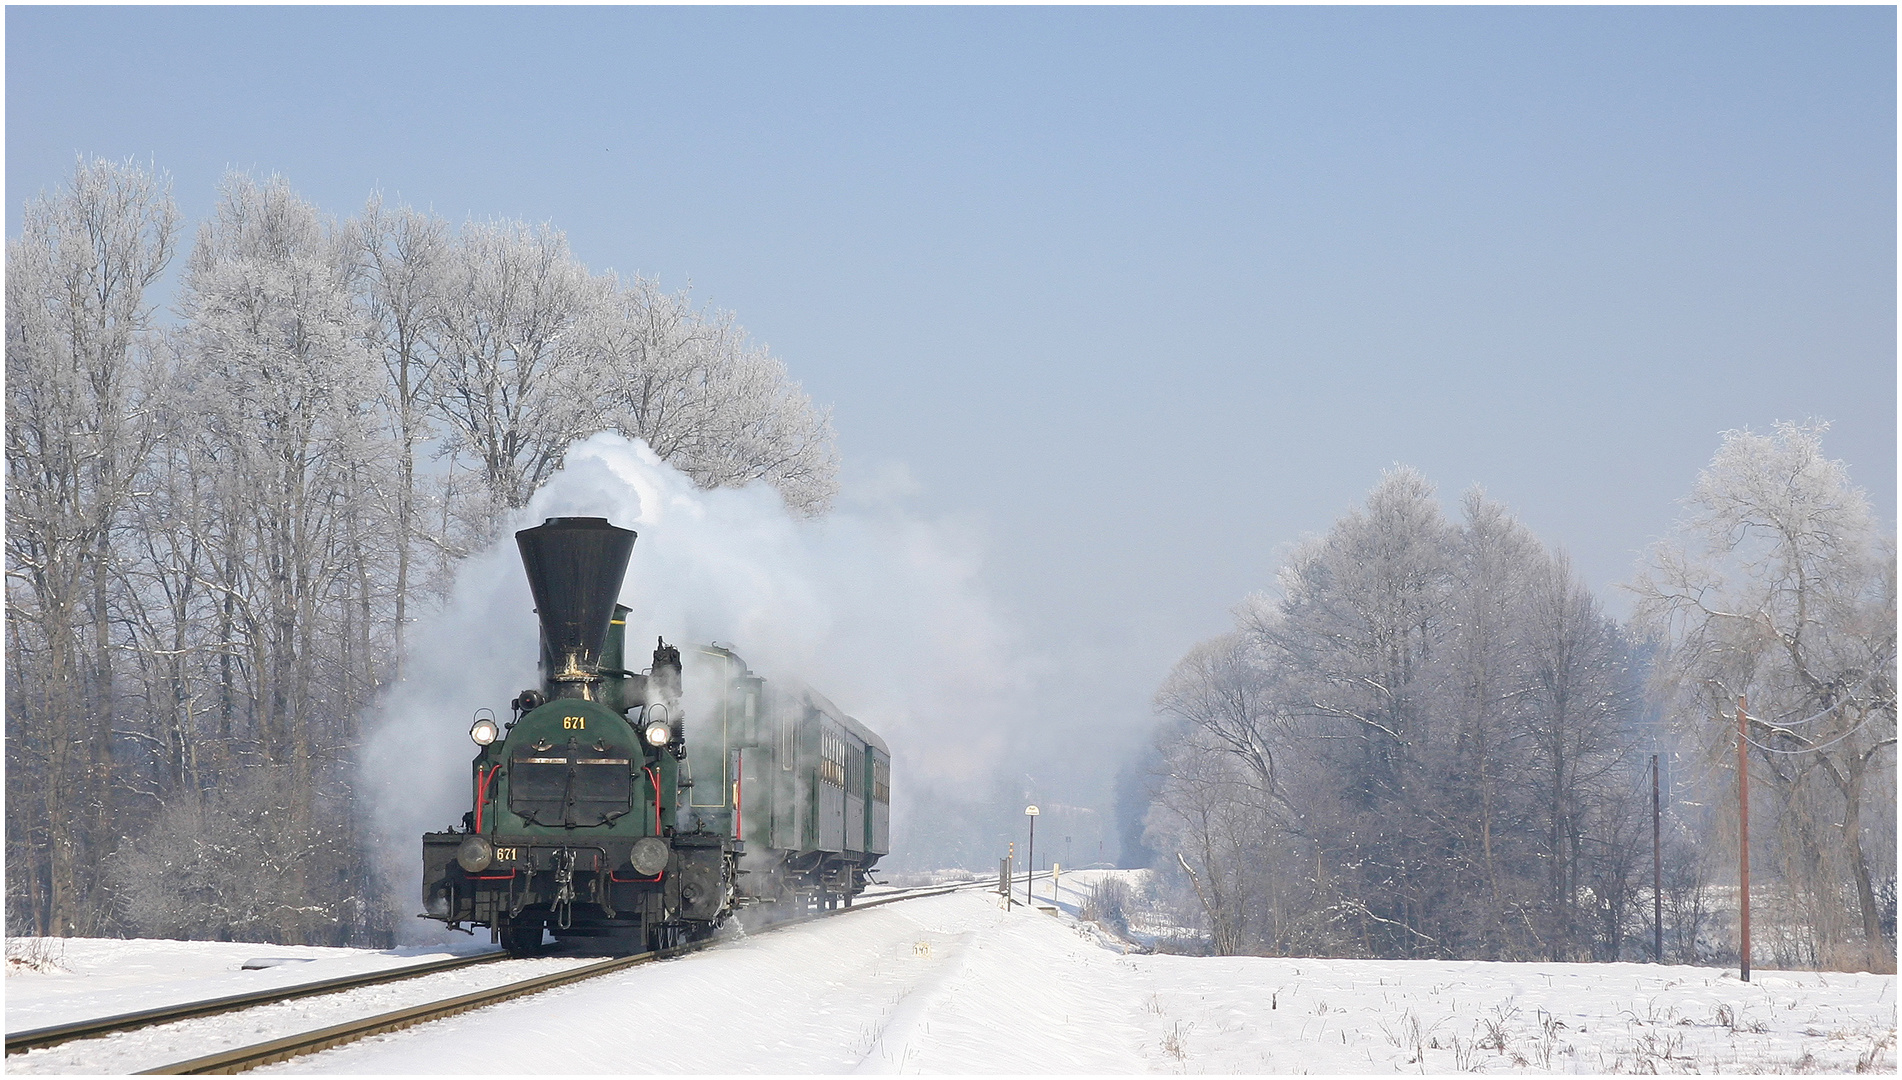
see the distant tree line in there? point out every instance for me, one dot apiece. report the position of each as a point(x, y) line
point(1433, 742)
point(220, 525)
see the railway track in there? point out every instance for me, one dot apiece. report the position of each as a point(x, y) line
point(39, 1038)
point(244, 1058)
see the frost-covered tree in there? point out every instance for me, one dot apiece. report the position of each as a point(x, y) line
point(1578, 720)
point(277, 368)
point(1779, 586)
point(402, 256)
point(533, 353)
point(1484, 689)
point(709, 401)
point(1223, 811)
point(1225, 689)
point(277, 371)
point(1365, 610)
point(514, 382)
point(168, 583)
point(76, 316)
point(1427, 720)
point(1208, 817)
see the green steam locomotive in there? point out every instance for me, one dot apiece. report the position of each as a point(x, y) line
point(643, 809)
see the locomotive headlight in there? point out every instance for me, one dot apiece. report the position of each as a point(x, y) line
point(658, 732)
point(484, 732)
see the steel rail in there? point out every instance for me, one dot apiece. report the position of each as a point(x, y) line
point(269, 1053)
point(39, 1038)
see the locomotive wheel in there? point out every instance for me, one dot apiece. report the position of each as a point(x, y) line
point(523, 938)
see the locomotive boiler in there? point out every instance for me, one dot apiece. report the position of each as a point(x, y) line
point(641, 809)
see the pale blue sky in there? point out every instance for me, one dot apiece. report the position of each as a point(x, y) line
point(1143, 294)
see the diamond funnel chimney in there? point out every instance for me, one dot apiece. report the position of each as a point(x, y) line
point(575, 566)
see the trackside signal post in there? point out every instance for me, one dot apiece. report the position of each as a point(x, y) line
point(1006, 876)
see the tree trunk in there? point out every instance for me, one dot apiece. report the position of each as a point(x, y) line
point(1880, 957)
point(99, 841)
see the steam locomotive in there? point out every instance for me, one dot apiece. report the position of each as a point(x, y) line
point(643, 809)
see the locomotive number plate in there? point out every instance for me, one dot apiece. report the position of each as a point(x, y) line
point(574, 723)
point(506, 854)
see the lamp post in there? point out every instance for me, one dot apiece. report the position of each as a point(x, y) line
point(1030, 872)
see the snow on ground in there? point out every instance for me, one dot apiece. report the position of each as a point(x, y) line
point(955, 984)
point(202, 970)
point(104, 977)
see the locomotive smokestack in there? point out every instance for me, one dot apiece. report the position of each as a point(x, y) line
point(575, 566)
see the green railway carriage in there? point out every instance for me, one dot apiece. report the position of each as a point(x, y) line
point(644, 808)
point(806, 787)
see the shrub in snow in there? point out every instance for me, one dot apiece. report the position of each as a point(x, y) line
point(42, 955)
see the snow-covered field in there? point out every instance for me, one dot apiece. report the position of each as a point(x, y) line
point(954, 984)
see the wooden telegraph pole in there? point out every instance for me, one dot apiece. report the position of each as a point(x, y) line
point(1657, 872)
point(1743, 836)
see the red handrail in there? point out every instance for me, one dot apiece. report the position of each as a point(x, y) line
point(653, 775)
point(482, 791)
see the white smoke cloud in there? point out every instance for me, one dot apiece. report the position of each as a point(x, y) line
point(880, 611)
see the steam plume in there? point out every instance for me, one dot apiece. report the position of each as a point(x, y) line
point(878, 610)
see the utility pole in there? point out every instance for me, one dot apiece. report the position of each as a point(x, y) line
point(1657, 872)
point(1743, 835)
